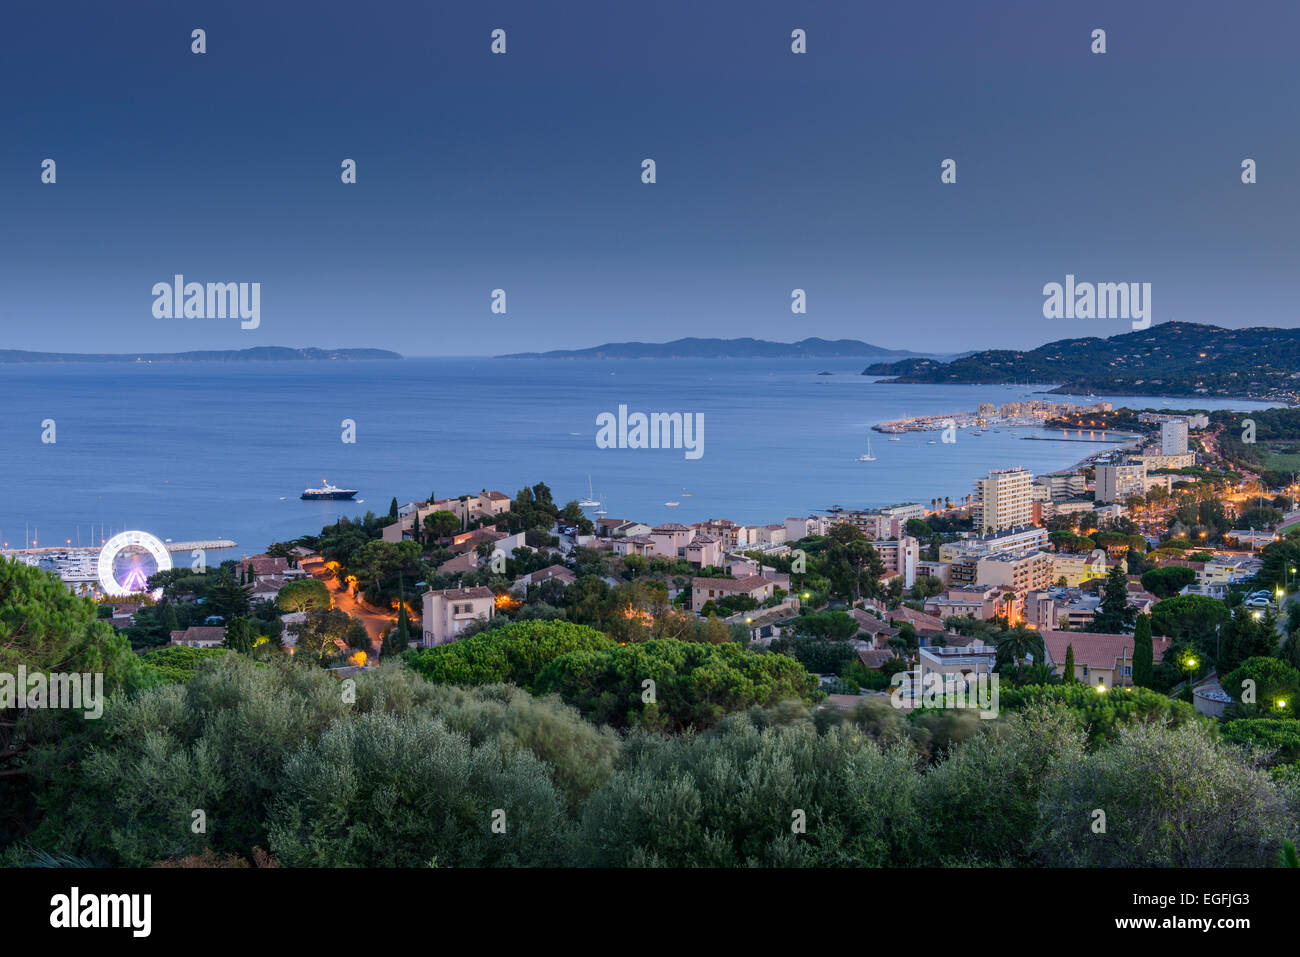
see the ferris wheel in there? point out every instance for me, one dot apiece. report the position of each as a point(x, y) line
point(125, 578)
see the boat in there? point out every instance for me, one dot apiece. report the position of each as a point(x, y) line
point(327, 491)
point(671, 504)
point(601, 509)
point(869, 457)
point(590, 500)
point(931, 442)
point(894, 438)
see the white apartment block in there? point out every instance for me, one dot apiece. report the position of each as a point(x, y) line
point(1003, 500)
point(1173, 437)
point(1117, 483)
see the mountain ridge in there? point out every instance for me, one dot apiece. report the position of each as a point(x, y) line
point(698, 348)
point(254, 354)
point(1173, 358)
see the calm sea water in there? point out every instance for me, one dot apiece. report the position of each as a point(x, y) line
point(207, 450)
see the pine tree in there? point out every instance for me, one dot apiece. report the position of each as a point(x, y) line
point(1067, 676)
point(1114, 614)
point(1143, 653)
point(239, 636)
point(1290, 652)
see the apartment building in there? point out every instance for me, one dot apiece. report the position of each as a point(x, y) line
point(1173, 437)
point(1061, 486)
point(1117, 483)
point(1012, 540)
point(1003, 500)
point(900, 557)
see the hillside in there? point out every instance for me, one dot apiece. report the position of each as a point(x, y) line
point(1175, 359)
point(257, 354)
point(721, 349)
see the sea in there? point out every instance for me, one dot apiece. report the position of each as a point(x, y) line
point(208, 450)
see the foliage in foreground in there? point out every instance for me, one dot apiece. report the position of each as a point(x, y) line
point(414, 772)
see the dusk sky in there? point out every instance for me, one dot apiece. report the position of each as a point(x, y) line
point(523, 171)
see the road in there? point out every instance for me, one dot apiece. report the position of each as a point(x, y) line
point(377, 621)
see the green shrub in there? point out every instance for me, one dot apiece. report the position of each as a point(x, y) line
point(514, 654)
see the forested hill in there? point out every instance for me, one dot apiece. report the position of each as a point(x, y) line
point(1175, 358)
point(257, 354)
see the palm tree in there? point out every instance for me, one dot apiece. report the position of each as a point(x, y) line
point(1017, 645)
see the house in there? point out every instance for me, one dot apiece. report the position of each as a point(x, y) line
point(875, 658)
point(261, 566)
point(1099, 659)
point(724, 530)
point(872, 628)
point(464, 562)
point(619, 528)
point(634, 545)
point(972, 659)
point(556, 573)
point(124, 614)
point(199, 636)
point(670, 540)
point(704, 551)
point(980, 601)
point(926, 626)
point(448, 612)
point(704, 590)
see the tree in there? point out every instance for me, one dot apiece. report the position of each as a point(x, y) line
point(239, 636)
point(1143, 653)
point(1016, 645)
point(1067, 675)
point(303, 595)
point(226, 598)
point(324, 629)
point(392, 509)
point(1114, 614)
point(1275, 685)
point(1246, 636)
point(441, 524)
point(1168, 581)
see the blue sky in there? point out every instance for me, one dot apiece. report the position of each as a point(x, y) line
point(522, 171)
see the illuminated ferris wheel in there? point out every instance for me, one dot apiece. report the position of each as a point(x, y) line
point(128, 559)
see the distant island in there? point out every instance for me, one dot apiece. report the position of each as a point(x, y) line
point(723, 349)
point(1172, 359)
point(255, 354)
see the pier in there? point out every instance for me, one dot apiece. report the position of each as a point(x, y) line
point(211, 544)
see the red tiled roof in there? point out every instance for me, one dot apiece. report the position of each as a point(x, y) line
point(751, 583)
point(874, 658)
point(1097, 650)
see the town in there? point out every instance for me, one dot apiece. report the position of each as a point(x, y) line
point(1138, 602)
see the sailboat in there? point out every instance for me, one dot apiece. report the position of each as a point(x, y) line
point(868, 457)
point(600, 510)
point(590, 500)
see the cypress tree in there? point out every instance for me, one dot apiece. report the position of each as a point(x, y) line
point(1143, 653)
point(1068, 676)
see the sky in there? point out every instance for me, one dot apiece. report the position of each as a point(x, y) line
point(522, 171)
